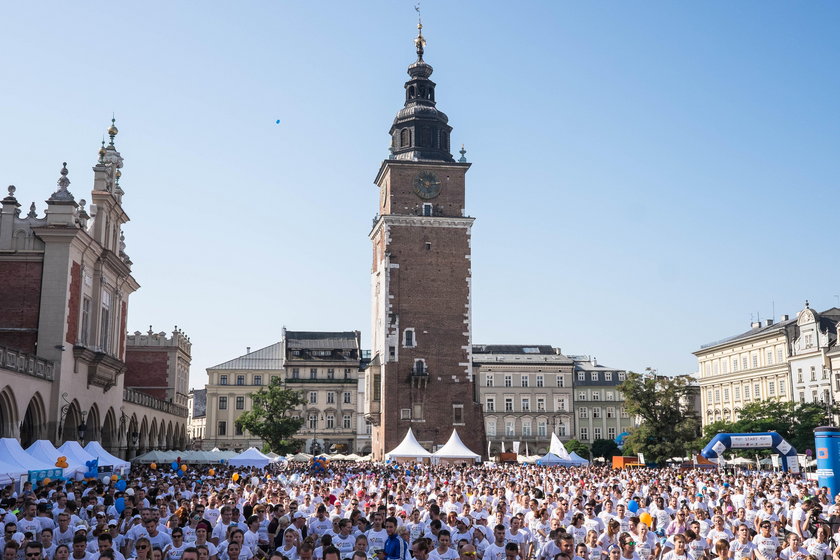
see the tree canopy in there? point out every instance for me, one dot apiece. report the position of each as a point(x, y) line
point(273, 416)
point(577, 446)
point(668, 425)
point(605, 448)
point(794, 421)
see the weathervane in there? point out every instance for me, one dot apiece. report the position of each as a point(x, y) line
point(419, 41)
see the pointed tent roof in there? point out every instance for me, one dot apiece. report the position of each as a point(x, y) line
point(577, 459)
point(557, 448)
point(75, 453)
point(455, 449)
point(45, 451)
point(408, 447)
point(551, 459)
point(105, 458)
point(251, 457)
point(13, 453)
point(270, 357)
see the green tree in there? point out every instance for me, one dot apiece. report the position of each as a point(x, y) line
point(668, 423)
point(605, 448)
point(273, 417)
point(578, 447)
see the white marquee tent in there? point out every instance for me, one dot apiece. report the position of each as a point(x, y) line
point(75, 453)
point(46, 452)
point(105, 458)
point(454, 451)
point(409, 450)
point(251, 457)
point(12, 453)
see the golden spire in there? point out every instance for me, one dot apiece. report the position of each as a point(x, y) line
point(419, 41)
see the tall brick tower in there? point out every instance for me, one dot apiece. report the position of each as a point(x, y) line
point(420, 374)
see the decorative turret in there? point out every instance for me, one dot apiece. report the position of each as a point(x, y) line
point(61, 206)
point(420, 131)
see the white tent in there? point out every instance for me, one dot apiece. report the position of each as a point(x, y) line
point(300, 458)
point(105, 458)
point(409, 450)
point(454, 451)
point(45, 451)
point(557, 448)
point(251, 457)
point(13, 453)
point(75, 453)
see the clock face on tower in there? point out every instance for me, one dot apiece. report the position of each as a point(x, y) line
point(426, 185)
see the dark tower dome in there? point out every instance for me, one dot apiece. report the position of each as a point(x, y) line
point(420, 131)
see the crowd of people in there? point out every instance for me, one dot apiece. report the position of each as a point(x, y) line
point(369, 511)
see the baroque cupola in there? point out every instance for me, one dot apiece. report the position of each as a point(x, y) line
point(420, 131)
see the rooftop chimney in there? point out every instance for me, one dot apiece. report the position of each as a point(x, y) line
point(785, 317)
point(768, 322)
point(755, 324)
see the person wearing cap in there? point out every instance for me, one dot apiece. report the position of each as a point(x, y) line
point(463, 529)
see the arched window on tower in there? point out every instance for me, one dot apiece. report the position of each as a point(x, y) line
point(405, 138)
point(444, 140)
point(432, 93)
point(411, 92)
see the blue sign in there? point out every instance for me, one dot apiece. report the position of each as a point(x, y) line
point(35, 476)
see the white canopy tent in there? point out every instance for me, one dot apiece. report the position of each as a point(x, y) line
point(105, 458)
point(454, 451)
point(409, 450)
point(75, 453)
point(251, 457)
point(300, 458)
point(46, 452)
point(12, 452)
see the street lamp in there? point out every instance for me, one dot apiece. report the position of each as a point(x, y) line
point(82, 429)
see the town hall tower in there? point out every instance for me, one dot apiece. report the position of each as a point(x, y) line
point(420, 373)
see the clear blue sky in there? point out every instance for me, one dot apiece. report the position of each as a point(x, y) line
point(646, 175)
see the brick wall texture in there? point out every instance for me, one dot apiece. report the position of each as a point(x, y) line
point(20, 301)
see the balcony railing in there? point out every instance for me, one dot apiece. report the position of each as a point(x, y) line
point(142, 399)
point(26, 364)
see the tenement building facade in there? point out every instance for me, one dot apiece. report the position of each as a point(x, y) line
point(322, 365)
point(599, 405)
point(420, 376)
point(526, 393)
point(66, 282)
point(786, 360)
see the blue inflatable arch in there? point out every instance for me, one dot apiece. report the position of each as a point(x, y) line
point(764, 440)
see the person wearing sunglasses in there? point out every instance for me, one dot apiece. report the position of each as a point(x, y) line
point(143, 549)
point(34, 551)
point(628, 547)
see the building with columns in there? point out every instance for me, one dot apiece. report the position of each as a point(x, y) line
point(66, 282)
point(792, 359)
point(421, 375)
